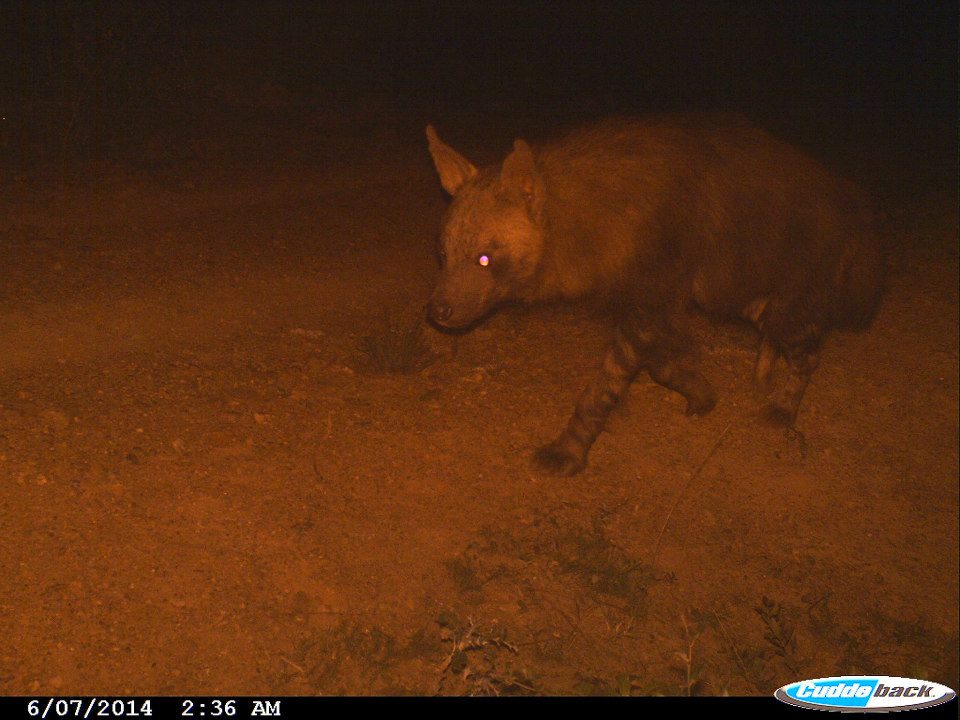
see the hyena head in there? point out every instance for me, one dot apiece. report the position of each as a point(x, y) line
point(491, 238)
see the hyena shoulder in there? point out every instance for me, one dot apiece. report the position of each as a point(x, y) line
point(653, 215)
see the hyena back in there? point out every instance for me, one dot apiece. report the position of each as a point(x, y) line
point(653, 218)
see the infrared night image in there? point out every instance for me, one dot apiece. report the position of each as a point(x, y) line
point(477, 348)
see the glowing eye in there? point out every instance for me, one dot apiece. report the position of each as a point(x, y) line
point(484, 260)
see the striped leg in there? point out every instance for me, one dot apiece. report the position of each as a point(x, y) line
point(639, 343)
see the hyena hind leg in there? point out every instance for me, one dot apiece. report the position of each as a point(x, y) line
point(663, 351)
point(697, 390)
point(637, 345)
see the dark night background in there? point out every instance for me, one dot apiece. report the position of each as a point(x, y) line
point(121, 69)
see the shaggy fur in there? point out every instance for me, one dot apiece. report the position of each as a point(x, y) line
point(654, 217)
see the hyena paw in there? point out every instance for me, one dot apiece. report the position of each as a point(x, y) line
point(701, 405)
point(556, 459)
point(778, 416)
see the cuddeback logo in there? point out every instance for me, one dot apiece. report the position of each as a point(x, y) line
point(872, 693)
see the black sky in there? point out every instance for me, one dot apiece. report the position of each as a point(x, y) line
point(871, 53)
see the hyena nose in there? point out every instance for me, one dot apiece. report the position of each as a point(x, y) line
point(439, 311)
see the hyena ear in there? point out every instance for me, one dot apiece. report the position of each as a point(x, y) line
point(519, 175)
point(454, 169)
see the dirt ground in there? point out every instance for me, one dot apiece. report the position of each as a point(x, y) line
point(214, 483)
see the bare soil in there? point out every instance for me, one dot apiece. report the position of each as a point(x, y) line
point(211, 486)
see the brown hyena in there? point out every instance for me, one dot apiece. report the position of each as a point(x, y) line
point(655, 217)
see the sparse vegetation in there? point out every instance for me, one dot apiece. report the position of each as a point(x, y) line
point(780, 632)
point(604, 568)
point(396, 346)
point(480, 660)
point(693, 627)
point(748, 661)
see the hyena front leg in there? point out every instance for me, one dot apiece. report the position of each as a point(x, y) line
point(798, 340)
point(638, 344)
point(567, 455)
point(802, 360)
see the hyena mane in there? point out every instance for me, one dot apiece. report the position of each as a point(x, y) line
point(652, 218)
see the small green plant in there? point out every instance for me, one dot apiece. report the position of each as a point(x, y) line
point(780, 632)
point(396, 347)
point(693, 628)
point(750, 662)
point(604, 568)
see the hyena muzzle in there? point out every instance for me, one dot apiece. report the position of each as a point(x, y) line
point(653, 218)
